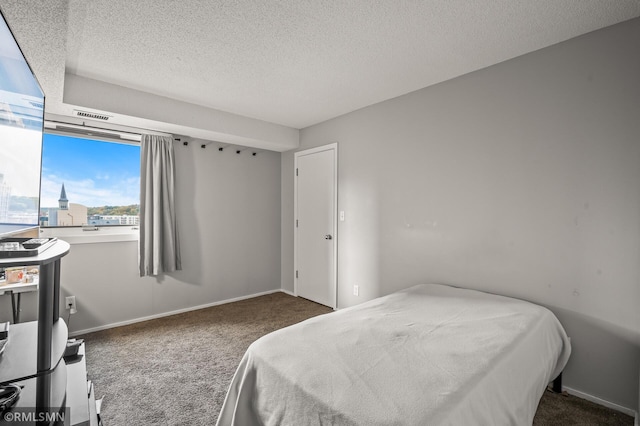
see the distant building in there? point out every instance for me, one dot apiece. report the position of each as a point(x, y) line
point(74, 215)
point(71, 214)
point(48, 215)
point(66, 214)
point(124, 219)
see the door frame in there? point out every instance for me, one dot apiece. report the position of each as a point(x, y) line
point(334, 273)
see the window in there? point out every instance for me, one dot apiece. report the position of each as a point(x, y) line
point(89, 182)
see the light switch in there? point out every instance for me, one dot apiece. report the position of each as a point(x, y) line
point(341, 215)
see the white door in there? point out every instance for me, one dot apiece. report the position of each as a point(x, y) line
point(315, 228)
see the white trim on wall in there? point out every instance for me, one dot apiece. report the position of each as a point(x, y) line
point(166, 314)
point(603, 402)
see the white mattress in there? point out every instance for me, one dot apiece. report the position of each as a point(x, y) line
point(428, 355)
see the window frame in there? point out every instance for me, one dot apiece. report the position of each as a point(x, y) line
point(90, 234)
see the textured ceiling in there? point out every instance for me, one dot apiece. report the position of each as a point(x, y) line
point(300, 62)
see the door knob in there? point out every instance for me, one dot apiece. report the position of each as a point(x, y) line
point(328, 237)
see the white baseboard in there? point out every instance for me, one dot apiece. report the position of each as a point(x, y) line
point(290, 293)
point(166, 314)
point(604, 403)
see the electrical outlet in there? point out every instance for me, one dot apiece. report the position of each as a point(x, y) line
point(70, 304)
point(356, 290)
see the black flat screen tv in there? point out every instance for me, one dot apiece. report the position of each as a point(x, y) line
point(21, 129)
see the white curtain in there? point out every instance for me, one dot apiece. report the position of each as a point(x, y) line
point(159, 246)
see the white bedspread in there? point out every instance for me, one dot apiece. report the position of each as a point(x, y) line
point(428, 355)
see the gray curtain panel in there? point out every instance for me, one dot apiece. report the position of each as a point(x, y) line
point(159, 246)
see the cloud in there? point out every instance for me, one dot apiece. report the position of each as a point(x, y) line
point(88, 192)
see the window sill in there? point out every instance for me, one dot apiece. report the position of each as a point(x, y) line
point(101, 235)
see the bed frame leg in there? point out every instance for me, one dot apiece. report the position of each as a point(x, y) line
point(557, 384)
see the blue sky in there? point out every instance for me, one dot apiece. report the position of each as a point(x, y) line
point(94, 173)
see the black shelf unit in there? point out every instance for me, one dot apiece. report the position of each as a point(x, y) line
point(18, 362)
point(33, 356)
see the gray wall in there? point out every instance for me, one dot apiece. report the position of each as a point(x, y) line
point(229, 223)
point(229, 209)
point(521, 179)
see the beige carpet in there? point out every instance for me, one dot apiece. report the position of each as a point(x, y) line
point(176, 370)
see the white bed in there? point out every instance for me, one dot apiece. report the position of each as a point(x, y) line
point(427, 355)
